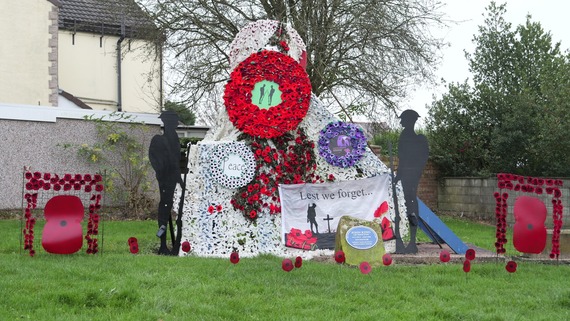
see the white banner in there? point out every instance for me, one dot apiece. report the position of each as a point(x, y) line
point(310, 212)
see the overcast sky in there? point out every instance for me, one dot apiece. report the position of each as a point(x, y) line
point(553, 15)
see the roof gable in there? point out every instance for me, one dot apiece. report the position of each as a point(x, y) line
point(105, 17)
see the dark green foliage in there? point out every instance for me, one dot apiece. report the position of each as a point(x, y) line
point(514, 118)
point(187, 117)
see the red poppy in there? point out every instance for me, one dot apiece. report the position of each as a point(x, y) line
point(134, 248)
point(99, 188)
point(252, 214)
point(234, 257)
point(470, 254)
point(331, 177)
point(219, 208)
point(444, 256)
point(87, 177)
point(298, 262)
point(511, 266)
point(186, 247)
point(28, 175)
point(287, 265)
point(132, 240)
point(88, 189)
point(365, 268)
point(211, 209)
point(386, 259)
point(467, 266)
point(383, 208)
point(98, 178)
point(339, 257)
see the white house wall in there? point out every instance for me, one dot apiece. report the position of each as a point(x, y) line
point(89, 72)
point(24, 53)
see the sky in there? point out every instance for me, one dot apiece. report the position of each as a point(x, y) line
point(466, 16)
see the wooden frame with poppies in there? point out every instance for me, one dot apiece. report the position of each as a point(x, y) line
point(41, 187)
point(533, 185)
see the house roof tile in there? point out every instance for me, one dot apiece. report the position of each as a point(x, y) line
point(104, 17)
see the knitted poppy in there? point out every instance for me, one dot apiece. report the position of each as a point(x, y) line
point(467, 266)
point(386, 259)
point(444, 256)
point(234, 257)
point(365, 268)
point(287, 265)
point(298, 262)
point(511, 266)
point(186, 247)
point(339, 257)
point(470, 254)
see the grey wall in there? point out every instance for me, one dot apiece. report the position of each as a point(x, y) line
point(36, 144)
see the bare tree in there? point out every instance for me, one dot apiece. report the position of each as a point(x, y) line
point(369, 51)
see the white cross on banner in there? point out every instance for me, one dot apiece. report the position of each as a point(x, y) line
point(310, 212)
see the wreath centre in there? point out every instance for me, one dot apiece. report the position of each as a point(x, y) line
point(266, 94)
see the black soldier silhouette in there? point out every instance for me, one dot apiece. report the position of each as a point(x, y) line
point(413, 152)
point(261, 94)
point(312, 218)
point(271, 92)
point(164, 156)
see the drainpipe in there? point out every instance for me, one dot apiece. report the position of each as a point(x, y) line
point(119, 93)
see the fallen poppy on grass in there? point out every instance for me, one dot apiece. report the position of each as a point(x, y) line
point(444, 256)
point(134, 248)
point(387, 259)
point(365, 268)
point(234, 257)
point(511, 266)
point(470, 254)
point(298, 262)
point(339, 257)
point(287, 265)
point(132, 240)
point(186, 246)
point(467, 266)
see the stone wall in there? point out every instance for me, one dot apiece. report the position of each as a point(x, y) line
point(39, 145)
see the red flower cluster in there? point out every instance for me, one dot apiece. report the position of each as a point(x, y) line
point(529, 185)
point(295, 90)
point(290, 159)
point(38, 181)
point(212, 209)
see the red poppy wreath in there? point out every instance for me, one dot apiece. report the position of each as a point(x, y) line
point(268, 94)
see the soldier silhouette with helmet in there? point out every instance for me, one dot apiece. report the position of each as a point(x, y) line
point(413, 152)
point(164, 156)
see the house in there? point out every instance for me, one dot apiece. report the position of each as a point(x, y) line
point(63, 60)
point(93, 53)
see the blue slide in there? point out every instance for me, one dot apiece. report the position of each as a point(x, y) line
point(439, 230)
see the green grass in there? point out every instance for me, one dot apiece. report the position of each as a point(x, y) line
point(120, 286)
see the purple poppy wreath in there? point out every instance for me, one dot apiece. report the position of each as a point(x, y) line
point(342, 144)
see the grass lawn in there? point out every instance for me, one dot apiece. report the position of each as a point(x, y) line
point(120, 286)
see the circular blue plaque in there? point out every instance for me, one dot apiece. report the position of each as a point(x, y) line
point(361, 237)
